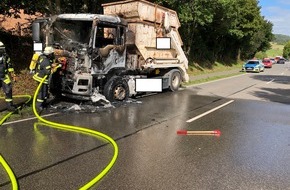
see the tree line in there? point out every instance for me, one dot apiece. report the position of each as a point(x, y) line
point(216, 30)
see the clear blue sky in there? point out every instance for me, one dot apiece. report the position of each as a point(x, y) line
point(277, 12)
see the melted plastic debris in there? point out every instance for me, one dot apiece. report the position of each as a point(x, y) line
point(100, 104)
point(133, 101)
point(87, 107)
point(75, 108)
point(97, 97)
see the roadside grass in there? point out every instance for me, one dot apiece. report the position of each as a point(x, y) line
point(208, 79)
point(25, 112)
point(276, 50)
point(195, 69)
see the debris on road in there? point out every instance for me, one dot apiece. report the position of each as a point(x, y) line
point(210, 133)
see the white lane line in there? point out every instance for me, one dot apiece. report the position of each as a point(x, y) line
point(270, 81)
point(212, 110)
point(27, 119)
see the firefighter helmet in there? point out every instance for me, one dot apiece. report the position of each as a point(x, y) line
point(2, 49)
point(48, 50)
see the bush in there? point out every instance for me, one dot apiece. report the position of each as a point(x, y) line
point(261, 55)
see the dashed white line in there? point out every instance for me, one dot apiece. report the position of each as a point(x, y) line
point(270, 81)
point(208, 112)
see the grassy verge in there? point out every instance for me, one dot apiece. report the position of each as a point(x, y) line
point(208, 79)
point(195, 69)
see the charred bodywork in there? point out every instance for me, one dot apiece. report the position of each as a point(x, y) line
point(105, 54)
point(89, 47)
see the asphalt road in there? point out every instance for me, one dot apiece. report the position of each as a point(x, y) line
point(251, 111)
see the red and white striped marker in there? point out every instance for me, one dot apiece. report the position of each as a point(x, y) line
point(210, 133)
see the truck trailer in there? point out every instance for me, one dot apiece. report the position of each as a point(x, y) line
point(107, 53)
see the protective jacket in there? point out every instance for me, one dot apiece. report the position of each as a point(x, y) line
point(5, 67)
point(44, 68)
point(5, 81)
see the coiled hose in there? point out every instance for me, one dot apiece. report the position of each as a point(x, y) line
point(79, 130)
point(2, 160)
point(17, 109)
point(67, 128)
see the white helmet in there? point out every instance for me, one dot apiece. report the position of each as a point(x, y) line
point(48, 50)
point(2, 48)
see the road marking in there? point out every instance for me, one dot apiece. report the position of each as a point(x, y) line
point(27, 119)
point(270, 81)
point(208, 112)
point(282, 73)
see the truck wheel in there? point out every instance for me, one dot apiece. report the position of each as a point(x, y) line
point(175, 80)
point(116, 89)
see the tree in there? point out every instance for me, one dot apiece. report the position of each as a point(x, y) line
point(286, 50)
point(12, 7)
point(217, 30)
point(224, 30)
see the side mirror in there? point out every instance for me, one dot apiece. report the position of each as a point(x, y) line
point(36, 31)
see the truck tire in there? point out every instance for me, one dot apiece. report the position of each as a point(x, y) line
point(116, 89)
point(175, 80)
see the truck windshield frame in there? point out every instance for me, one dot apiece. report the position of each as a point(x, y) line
point(72, 31)
point(108, 34)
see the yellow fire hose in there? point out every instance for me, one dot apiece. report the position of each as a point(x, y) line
point(67, 128)
point(83, 131)
point(17, 109)
point(2, 160)
point(10, 173)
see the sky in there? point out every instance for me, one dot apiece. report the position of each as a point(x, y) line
point(278, 13)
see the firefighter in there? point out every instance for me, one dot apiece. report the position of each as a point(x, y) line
point(6, 72)
point(44, 68)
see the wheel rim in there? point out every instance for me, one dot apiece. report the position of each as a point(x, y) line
point(175, 81)
point(119, 93)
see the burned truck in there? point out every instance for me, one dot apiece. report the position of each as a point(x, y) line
point(107, 54)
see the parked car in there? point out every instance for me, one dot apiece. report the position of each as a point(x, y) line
point(281, 60)
point(253, 66)
point(267, 63)
point(273, 60)
point(277, 58)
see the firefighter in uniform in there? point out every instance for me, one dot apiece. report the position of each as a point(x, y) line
point(45, 63)
point(6, 71)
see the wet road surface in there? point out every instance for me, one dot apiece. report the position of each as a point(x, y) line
point(253, 151)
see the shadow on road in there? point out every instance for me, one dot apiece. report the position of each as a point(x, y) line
point(280, 95)
point(274, 95)
point(280, 79)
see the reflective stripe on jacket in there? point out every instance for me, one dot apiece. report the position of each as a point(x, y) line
point(5, 67)
point(44, 68)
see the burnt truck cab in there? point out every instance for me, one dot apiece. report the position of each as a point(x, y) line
point(92, 45)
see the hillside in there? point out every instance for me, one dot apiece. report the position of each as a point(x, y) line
point(281, 39)
point(276, 49)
